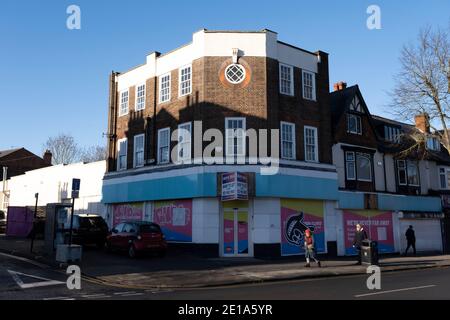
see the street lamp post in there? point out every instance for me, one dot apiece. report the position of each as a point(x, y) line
point(36, 195)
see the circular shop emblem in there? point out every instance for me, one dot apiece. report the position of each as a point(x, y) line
point(295, 229)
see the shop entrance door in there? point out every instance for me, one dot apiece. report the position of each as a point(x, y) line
point(235, 231)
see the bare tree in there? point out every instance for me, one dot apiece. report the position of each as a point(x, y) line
point(63, 147)
point(94, 153)
point(422, 85)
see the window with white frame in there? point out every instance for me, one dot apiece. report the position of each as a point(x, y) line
point(358, 166)
point(448, 178)
point(123, 110)
point(122, 154)
point(185, 81)
point(309, 85)
point(433, 144)
point(407, 173)
point(140, 97)
point(164, 88)
point(235, 73)
point(354, 124)
point(443, 178)
point(164, 145)
point(235, 136)
point(138, 152)
point(286, 79)
point(392, 134)
point(311, 144)
point(350, 166)
point(287, 140)
point(401, 173)
point(363, 167)
point(413, 173)
point(184, 142)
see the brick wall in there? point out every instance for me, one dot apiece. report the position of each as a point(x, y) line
point(20, 161)
point(212, 100)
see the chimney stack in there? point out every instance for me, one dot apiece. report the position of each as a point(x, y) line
point(48, 157)
point(423, 122)
point(341, 85)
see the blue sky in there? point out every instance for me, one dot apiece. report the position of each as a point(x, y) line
point(55, 80)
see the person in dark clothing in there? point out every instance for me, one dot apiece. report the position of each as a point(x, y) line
point(360, 236)
point(410, 239)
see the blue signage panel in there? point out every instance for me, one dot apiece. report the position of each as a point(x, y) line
point(76, 184)
point(75, 188)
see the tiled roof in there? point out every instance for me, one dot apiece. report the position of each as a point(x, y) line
point(4, 153)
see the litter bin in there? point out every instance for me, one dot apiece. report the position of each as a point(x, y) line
point(369, 252)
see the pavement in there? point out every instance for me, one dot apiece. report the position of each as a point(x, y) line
point(178, 271)
point(24, 279)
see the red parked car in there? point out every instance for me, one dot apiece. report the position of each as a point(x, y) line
point(137, 237)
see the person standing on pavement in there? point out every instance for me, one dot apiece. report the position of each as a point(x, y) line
point(360, 236)
point(410, 239)
point(310, 250)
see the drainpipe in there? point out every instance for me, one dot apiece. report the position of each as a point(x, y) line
point(155, 151)
point(384, 171)
point(5, 174)
point(112, 143)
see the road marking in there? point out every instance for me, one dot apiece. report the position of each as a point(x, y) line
point(132, 294)
point(96, 296)
point(396, 290)
point(121, 293)
point(158, 291)
point(92, 295)
point(45, 282)
point(59, 298)
point(43, 266)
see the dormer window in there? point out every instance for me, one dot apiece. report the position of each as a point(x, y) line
point(392, 134)
point(433, 144)
point(354, 124)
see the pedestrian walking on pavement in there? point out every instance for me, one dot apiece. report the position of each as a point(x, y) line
point(410, 239)
point(360, 236)
point(310, 250)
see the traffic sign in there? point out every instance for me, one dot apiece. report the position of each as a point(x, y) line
point(75, 188)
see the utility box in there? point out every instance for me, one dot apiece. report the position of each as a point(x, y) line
point(56, 226)
point(369, 252)
point(68, 253)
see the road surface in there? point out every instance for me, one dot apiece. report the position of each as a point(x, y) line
point(24, 279)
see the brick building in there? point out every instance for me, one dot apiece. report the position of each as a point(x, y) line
point(14, 162)
point(230, 81)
